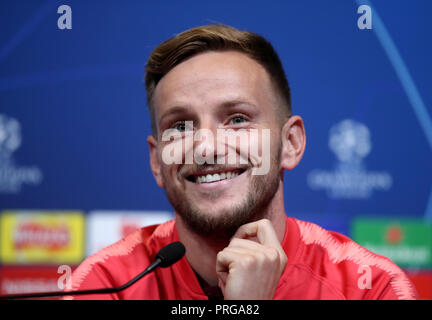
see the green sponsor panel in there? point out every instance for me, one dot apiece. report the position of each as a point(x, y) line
point(407, 242)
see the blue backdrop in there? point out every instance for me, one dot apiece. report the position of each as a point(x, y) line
point(79, 100)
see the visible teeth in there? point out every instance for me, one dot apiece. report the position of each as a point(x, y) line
point(216, 177)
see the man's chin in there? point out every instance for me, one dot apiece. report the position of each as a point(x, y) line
point(216, 209)
point(218, 223)
point(215, 230)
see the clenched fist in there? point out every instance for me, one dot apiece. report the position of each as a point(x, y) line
point(252, 264)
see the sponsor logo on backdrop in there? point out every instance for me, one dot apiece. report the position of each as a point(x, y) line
point(394, 234)
point(42, 237)
point(408, 243)
point(351, 143)
point(107, 227)
point(25, 279)
point(13, 176)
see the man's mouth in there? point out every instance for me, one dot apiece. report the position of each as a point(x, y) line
point(208, 177)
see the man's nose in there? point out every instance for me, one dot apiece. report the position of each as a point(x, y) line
point(207, 149)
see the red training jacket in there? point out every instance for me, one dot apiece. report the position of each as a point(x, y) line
point(321, 265)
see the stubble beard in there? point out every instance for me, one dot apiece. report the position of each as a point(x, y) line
point(222, 225)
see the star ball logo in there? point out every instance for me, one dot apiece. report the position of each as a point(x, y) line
point(351, 142)
point(12, 176)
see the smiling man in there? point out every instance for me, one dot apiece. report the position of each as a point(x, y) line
point(240, 244)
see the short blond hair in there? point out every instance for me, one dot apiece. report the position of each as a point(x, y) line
point(214, 37)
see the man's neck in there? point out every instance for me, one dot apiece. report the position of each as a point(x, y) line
point(201, 251)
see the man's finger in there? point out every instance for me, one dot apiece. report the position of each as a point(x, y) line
point(246, 244)
point(226, 257)
point(263, 230)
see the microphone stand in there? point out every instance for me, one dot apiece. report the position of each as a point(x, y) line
point(83, 292)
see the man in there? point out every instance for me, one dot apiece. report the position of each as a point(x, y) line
point(230, 215)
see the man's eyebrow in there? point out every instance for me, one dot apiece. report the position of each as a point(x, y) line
point(173, 111)
point(236, 102)
point(179, 109)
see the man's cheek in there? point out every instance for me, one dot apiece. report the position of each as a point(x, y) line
point(259, 151)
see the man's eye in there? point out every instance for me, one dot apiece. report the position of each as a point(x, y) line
point(238, 120)
point(181, 126)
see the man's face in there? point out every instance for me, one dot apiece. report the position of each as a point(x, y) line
point(218, 91)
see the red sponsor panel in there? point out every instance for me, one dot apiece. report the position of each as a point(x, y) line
point(422, 280)
point(20, 279)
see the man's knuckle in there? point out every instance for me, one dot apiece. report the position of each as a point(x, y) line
point(273, 254)
point(265, 221)
point(283, 259)
point(248, 260)
point(235, 241)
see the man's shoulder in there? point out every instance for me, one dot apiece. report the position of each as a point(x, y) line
point(125, 258)
point(345, 267)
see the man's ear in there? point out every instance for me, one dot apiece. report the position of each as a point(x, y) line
point(154, 160)
point(293, 142)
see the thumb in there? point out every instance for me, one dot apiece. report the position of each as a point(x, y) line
point(221, 285)
point(222, 276)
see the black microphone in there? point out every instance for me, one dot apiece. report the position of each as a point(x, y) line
point(166, 256)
